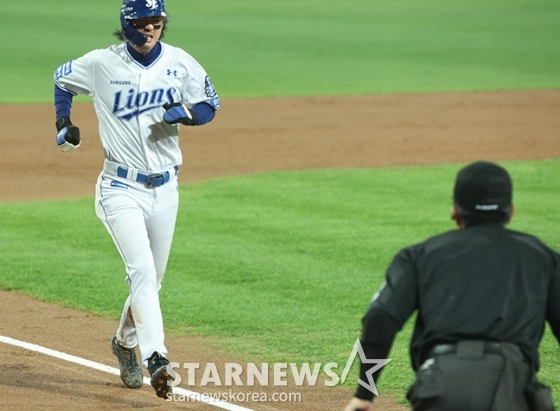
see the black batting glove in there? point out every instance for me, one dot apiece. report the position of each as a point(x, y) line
point(68, 136)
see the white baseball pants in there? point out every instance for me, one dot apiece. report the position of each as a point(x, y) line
point(141, 221)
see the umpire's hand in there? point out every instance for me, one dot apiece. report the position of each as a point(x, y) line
point(357, 404)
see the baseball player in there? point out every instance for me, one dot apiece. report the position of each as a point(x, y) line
point(482, 294)
point(142, 89)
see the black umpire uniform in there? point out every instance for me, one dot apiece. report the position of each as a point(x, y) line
point(482, 294)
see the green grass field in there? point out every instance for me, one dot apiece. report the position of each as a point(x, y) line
point(281, 266)
point(254, 48)
point(278, 266)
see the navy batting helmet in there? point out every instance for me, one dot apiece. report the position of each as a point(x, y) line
point(139, 9)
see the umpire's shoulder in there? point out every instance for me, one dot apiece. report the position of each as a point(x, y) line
point(533, 242)
point(441, 238)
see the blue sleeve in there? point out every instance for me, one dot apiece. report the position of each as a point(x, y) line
point(205, 113)
point(62, 102)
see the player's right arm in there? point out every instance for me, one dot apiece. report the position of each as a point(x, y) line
point(72, 78)
point(68, 135)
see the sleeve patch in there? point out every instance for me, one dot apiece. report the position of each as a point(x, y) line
point(63, 70)
point(211, 93)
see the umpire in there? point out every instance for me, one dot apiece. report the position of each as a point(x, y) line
point(483, 294)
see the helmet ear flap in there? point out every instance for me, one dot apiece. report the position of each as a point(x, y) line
point(131, 34)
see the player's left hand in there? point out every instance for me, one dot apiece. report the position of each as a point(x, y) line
point(357, 404)
point(178, 113)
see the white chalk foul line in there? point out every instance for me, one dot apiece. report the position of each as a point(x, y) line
point(115, 371)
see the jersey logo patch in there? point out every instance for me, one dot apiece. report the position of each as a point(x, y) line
point(172, 73)
point(118, 184)
point(210, 91)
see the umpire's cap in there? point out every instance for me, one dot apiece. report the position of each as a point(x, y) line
point(483, 187)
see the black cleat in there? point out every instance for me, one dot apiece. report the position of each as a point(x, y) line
point(131, 371)
point(157, 366)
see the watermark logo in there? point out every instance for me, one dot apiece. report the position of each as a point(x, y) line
point(232, 396)
point(276, 374)
point(370, 384)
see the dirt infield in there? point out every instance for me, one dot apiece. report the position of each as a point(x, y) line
point(247, 136)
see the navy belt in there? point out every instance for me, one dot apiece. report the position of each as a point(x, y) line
point(149, 180)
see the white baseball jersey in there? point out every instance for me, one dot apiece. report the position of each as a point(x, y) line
point(128, 99)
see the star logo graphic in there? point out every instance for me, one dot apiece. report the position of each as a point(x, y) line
point(378, 364)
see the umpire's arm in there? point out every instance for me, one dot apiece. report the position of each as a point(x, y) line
point(389, 309)
point(553, 304)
